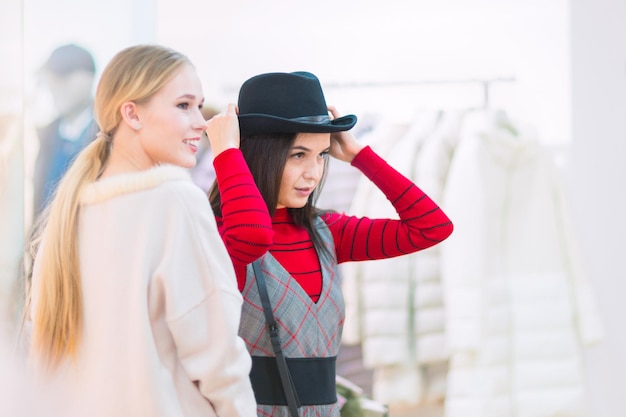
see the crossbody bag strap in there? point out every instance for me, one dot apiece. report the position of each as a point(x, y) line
point(283, 370)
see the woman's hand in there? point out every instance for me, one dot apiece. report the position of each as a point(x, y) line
point(343, 145)
point(223, 130)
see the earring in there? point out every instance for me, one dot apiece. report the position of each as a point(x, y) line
point(136, 125)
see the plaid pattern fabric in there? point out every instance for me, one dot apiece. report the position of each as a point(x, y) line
point(306, 328)
point(331, 410)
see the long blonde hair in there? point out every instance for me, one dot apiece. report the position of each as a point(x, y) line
point(134, 74)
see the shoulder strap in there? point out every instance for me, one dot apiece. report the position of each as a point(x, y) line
point(283, 370)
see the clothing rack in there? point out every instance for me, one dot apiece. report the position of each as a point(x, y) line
point(485, 82)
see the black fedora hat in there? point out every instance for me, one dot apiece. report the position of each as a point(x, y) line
point(287, 103)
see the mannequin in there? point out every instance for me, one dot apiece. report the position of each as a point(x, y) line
point(69, 74)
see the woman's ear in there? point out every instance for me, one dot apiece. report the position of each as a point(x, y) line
point(130, 116)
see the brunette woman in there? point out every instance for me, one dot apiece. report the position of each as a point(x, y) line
point(271, 155)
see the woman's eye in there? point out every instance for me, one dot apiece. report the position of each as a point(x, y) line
point(298, 155)
point(324, 154)
point(183, 106)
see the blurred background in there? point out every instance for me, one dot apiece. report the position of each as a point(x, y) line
point(556, 68)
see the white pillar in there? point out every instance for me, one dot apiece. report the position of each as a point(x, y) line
point(597, 174)
point(11, 159)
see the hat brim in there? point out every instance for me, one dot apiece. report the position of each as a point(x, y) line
point(263, 123)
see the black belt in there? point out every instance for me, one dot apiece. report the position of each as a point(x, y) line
point(313, 378)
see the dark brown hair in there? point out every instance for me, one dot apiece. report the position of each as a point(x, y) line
point(266, 156)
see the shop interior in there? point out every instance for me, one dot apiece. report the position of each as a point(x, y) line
point(551, 73)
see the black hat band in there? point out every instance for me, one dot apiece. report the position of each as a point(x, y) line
point(323, 119)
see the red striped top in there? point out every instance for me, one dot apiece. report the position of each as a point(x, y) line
point(248, 231)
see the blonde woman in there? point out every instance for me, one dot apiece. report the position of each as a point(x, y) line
point(135, 306)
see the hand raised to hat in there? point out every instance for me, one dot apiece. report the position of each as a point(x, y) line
point(343, 145)
point(223, 130)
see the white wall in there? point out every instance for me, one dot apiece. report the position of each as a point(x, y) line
point(102, 27)
point(370, 40)
point(346, 41)
point(597, 174)
point(11, 158)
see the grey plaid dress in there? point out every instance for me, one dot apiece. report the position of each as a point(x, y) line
point(307, 329)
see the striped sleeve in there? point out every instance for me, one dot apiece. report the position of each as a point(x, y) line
point(421, 223)
point(245, 225)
